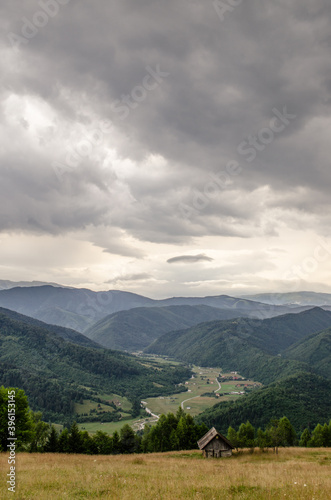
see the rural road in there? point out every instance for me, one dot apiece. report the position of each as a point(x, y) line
point(194, 397)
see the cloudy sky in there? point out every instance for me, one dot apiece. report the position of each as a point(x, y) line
point(166, 147)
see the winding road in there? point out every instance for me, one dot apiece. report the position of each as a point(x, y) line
point(194, 397)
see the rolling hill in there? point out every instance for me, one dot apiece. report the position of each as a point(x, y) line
point(304, 398)
point(314, 350)
point(56, 373)
point(137, 328)
point(65, 333)
point(246, 345)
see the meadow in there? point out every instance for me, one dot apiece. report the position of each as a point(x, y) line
point(204, 381)
point(295, 473)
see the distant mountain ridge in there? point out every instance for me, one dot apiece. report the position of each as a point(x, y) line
point(137, 328)
point(7, 284)
point(80, 308)
point(292, 298)
point(65, 333)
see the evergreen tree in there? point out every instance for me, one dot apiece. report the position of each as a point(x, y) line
point(63, 445)
point(75, 440)
point(52, 444)
point(305, 438)
point(129, 441)
point(103, 443)
point(286, 432)
point(116, 443)
point(317, 437)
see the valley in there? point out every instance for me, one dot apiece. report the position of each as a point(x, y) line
point(166, 354)
point(203, 391)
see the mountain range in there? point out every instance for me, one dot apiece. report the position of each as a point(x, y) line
point(80, 308)
point(286, 346)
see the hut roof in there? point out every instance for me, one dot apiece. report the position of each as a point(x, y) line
point(202, 443)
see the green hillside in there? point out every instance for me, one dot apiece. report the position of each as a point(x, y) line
point(245, 345)
point(135, 329)
point(56, 373)
point(314, 350)
point(65, 333)
point(304, 398)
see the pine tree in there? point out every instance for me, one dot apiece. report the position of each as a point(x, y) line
point(52, 444)
point(305, 438)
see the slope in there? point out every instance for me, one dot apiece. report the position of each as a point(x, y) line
point(245, 345)
point(304, 398)
point(137, 328)
point(65, 333)
point(314, 350)
point(55, 373)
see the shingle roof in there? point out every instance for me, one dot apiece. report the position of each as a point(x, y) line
point(202, 443)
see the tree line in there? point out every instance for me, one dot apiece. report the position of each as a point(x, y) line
point(171, 432)
point(278, 432)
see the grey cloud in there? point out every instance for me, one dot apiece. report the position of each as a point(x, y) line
point(190, 259)
point(225, 79)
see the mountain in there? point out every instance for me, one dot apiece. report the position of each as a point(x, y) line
point(65, 333)
point(293, 298)
point(6, 284)
point(304, 398)
point(245, 345)
point(68, 307)
point(80, 308)
point(56, 373)
point(137, 328)
point(314, 350)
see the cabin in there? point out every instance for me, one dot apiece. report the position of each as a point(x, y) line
point(214, 444)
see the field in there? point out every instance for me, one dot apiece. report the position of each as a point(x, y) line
point(192, 402)
point(295, 473)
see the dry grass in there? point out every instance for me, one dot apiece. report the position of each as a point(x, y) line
point(296, 473)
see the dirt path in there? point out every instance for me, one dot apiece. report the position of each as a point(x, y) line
point(194, 397)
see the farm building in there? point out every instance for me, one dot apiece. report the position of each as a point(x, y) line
point(214, 444)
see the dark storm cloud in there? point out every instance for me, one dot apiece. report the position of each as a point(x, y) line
point(189, 259)
point(215, 85)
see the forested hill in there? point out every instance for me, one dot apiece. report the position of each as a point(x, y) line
point(304, 398)
point(314, 350)
point(245, 345)
point(137, 328)
point(65, 333)
point(55, 373)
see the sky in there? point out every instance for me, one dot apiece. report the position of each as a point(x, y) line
point(171, 147)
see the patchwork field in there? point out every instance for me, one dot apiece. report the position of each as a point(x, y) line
point(202, 391)
point(195, 399)
point(295, 473)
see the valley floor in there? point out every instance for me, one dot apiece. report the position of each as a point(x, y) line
point(295, 473)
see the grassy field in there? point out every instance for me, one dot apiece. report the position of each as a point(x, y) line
point(295, 473)
point(204, 381)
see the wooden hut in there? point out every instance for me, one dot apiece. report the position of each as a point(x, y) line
point(214, 444)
